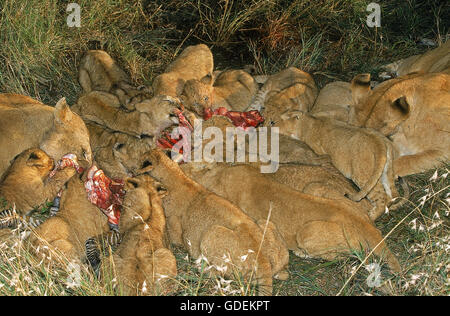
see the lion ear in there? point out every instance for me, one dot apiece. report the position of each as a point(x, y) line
point(208, 79)
point(360, 88)
point(290, 114)
point(132, 182)
point(62, 111)
point(402, 105)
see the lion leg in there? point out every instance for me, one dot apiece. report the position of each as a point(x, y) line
point(328, 240)
point(379, 200)
point(219, 243)
point(420, 162)
point(380, 167)
point(126, 272)
point(321, 239)
point(276, 250)
point(398, 203)
point(56, 233)
point(66, 247)
point(159, 269)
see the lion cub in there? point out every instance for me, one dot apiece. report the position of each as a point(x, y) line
point(149, 119)
point(309, 225)
point(233, 90)
point(142, 260)
point(26, 184)
point(194, 62)
point(79, 219)
point(413, 111)
point(207, 224)
point(317, 178)
point(26, 123)
point(320, 180)
point(334, 101)
point(291, 88)
point(436, 60)
point(99, 72)
point(362, 155)
point(119, 155)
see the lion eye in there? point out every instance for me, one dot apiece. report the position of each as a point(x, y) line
point(206, 98)
point(85, 154)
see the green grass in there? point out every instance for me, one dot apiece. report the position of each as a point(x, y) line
point(39, 56)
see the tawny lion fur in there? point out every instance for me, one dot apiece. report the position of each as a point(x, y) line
point(290, 89)
point(290, 150)
point(413, 111)
point(26, 123)
point(78, 219)
point(99, 72)
point(207, 224)
point(309, 225)
point(25, 183)
point(362, 155)
point(320, 180)
point(143, 260)
point(149, 119)
point(194, 62)
point(436, 60)
point(233, 90)
point(334, 101)
point(119, 155)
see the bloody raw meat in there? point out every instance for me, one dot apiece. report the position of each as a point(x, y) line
point(105, 193)
point(239, 119)
point(69, 160)
point(242, 120)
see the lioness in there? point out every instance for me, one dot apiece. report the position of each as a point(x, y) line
point(99, 72)
point(309, 225)
point(207, 224)
point(413, 111)
point(142, 262)
point(233, 90)
point(149, 119)
point(362, 155)
point(291, 88)
point(26, 184)
point(26, 123)
point(334, 101)
point(194, 62)
point(436, 60)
